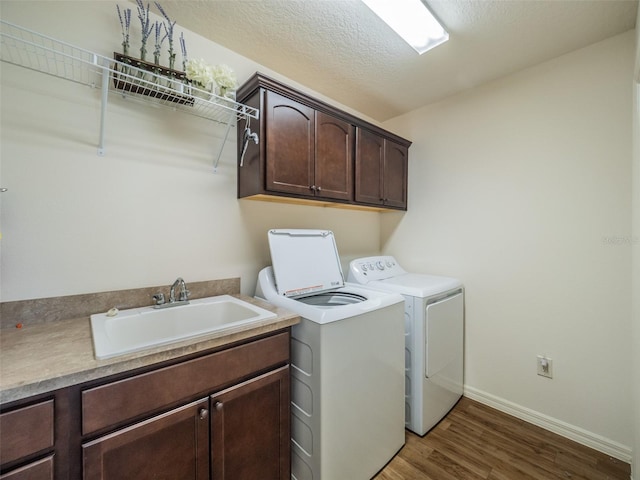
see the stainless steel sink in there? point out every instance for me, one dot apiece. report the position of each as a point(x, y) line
point(139, 328)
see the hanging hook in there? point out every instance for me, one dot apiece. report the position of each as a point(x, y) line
point(247, 135)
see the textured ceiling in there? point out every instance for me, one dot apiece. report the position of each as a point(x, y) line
point(342, 50)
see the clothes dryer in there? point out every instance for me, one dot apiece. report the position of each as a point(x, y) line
point(347, 375)
point(434, 331)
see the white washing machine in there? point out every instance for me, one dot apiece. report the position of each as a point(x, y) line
point(434, 336)
point(347, 385)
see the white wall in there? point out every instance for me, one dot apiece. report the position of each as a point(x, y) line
point(151, 209)
point(522, 188)
point(636, 259)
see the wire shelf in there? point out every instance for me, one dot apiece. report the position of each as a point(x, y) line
point(173, 92)
point(43, 54)
point(34, 51)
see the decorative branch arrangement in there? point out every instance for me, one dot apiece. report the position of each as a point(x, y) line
point(125, 23)
point(145, 28)
point(219, 79)
point(183, 48)
point(168, 27)
point(159, 39)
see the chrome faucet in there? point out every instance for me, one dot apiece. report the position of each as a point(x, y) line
point(183, 295)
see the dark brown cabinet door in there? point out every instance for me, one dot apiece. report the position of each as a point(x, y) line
point(171, 446)
point(369, 164)
point(40, 470)
point(250, 429)
point(396, 161)
point(290, 145)
point(381, 170)
point(333, 158)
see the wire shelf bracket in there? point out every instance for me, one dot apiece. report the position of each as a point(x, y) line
point(37, 52)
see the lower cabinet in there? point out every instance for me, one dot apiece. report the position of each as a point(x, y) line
point(38, 470)
point(250, 429)
point(173, 445)
point(241, 433)
point(221, 415)
point(27, 433)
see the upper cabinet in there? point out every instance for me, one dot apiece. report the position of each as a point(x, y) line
point(290, 142)
point(381, 170)
point(309, 151)
point(334, 157)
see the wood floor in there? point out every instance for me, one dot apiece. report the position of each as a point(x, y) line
point(477, 442)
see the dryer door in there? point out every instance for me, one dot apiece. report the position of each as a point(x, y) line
point(444, 336)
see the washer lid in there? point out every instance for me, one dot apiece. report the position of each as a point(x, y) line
point(304, 261)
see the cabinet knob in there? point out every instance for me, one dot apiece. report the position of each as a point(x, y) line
point(318, 189)
point(203, 413)
point(218, 406)
point(312, 188)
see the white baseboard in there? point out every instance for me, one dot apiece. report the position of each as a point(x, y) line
point(577, 434)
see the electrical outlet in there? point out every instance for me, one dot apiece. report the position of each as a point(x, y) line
point(545, 366)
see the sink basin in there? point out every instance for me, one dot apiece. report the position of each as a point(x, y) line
point(140, 328)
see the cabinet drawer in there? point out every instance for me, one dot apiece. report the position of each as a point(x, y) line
point(40, 470)
point(26, 431)
point(115, 403)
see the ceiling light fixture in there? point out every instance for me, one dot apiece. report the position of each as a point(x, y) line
point(412, 20)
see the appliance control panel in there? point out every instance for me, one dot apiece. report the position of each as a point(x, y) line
point(364, 270)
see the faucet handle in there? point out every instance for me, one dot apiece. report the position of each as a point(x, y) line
point(159, 298)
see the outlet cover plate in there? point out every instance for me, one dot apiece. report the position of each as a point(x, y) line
point(545, 366)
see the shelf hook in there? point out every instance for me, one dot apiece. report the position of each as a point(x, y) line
point(248, 135)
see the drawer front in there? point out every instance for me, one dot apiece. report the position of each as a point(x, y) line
point(40, 470)
point(26, 431)
point(117, 402)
